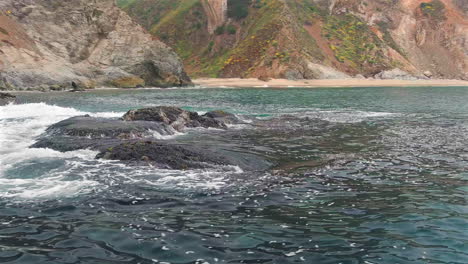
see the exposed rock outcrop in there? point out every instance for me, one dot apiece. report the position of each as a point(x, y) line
point(216, 11)
point(6, 98)
point(45, 43)
point(135, 139)
point(395, 74)
point(173, 116)
point(222, 116)
point(178, 156)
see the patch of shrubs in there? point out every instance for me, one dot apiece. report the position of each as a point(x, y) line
point(230, 29)
point(434, 9)
point(238, 9)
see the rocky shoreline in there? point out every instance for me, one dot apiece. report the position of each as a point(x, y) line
point(132, 139)
point(51, 46)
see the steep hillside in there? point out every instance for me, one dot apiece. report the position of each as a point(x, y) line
point(311, 38)
point(48, 44)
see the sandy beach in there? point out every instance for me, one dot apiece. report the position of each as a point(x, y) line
point(283, 83)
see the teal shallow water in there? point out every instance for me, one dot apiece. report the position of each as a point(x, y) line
point(362, 175)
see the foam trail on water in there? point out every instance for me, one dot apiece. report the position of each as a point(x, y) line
point(20, 124)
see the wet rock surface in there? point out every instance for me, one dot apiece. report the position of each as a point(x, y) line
point(179, 156)
point(6, 98)
point(85, 132)
point(87, 126)
point(223, 116)
point(175, 117)
point(134, 139)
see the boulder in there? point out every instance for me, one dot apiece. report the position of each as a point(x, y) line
point(428, 74)
point(359, 76)
point(395, 74)
point(177, 118)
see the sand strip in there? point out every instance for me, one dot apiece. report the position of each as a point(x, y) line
point(283, 83)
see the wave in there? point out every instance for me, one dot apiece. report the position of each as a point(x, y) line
point(32, 174)
point(335, 116)
point(35, 173)
point(20, 124)
point(346, 116)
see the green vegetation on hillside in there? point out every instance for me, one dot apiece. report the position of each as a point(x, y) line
point(352, 41)
point(125, 3)
point(434, 9)
point(238, 9)
point(270, 35)
point(260, 31)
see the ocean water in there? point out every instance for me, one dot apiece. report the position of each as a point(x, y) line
point(360, 175)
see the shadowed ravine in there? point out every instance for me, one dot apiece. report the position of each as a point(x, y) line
point(361, 175)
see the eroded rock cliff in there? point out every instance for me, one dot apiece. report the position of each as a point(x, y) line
point(313, 39)
point(216, 11)
point(48, 44)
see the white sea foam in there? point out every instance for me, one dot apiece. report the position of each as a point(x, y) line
point(49, 174)
point(20, 124)
point(198, 179)
point(350, 116)
point(44, 188)
point(337, 116)
point(160, 136)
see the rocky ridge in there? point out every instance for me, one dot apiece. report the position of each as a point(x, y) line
point(48, 44)
point(312, 39)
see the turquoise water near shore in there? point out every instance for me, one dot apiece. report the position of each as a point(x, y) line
point(361, 175)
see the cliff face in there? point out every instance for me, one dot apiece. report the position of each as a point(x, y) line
point(52, 43)
point(313, 38)
point(216, 11)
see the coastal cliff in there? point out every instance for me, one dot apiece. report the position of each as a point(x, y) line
point(216, 11)
point(50, 44)
point(312, 39)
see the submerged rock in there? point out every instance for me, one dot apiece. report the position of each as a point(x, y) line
point(175, 117)
point(222, 116)
point(181, 157)
point(6, 98)
point(163, 155)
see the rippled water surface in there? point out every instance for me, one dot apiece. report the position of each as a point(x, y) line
point(360, 175)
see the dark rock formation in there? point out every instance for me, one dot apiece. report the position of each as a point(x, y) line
point(173, 116)
point(94, 127)
point(6, 98)
point(164, 155)
point(222, 116)
point(132, 139)
point(179, 156)
point(97, 133)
